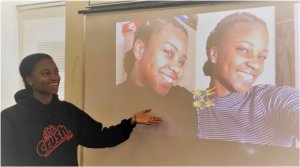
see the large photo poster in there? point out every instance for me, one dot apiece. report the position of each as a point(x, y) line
point(212, 76)
point(157, 57)
point(161, 65)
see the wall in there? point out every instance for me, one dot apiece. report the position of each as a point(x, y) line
point(9, 53)
point(74, 56)
point(74, 52)
point(11, 81)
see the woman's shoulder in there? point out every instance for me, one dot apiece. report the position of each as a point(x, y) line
point(273, 88)
point(69, 105)
point(269, 91)
point(13, 108)
point(13, 112)
point(182, 91)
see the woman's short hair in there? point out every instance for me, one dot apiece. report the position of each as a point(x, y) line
point(215, 36)
point(144, 32)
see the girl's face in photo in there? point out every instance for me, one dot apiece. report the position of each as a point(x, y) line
point(164, 56)
point(240, 56)
point(44, 78)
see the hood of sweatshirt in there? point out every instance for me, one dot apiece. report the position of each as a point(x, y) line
point(26, 98)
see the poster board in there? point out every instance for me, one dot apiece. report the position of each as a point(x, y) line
point(168, 143)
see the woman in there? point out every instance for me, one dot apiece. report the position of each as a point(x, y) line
point(158, 55)
point(42, 130)
point(154, 67)
point(234, 110)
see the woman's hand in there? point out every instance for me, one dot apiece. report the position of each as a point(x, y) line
point(143, 118)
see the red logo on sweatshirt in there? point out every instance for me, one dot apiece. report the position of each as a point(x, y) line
point(52, 138)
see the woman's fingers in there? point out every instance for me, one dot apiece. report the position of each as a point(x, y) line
point(146, 111)
point(143, 118)
point(154, 120)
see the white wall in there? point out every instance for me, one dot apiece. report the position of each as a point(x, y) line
point(9, 53)
point(0, 57)
point(11, 81)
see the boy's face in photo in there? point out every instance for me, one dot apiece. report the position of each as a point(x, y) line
point(162, 59)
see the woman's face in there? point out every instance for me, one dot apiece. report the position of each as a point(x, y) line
point(163, 58)
point(239, 59)
point(44, 79)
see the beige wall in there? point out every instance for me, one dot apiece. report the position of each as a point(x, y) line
point(74, 52)
point(74, 56)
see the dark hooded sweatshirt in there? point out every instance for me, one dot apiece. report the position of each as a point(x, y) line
point(33, 133)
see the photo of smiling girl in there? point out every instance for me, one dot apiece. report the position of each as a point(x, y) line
point(237, 109)
point(154, 66)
